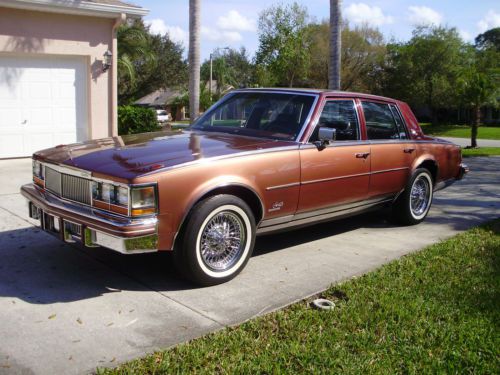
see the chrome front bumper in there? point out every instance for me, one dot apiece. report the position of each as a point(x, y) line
point(73, 222)
point(464, 169)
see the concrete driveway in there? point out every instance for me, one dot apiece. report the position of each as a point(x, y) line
point(66, 309)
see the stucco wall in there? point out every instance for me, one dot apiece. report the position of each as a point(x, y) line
point(37, 33)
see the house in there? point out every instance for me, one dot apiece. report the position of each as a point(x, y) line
point(58, 76)
point(167, 99)
point(175, 101)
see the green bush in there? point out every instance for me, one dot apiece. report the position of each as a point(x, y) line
point(133, 120)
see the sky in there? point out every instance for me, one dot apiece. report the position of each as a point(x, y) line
point(233, 23)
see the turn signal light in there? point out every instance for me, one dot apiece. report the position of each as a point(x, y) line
point(143, 211)
point(143, 200)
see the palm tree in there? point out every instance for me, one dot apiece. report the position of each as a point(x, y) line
point(479, 87)
point(194, 58)
point(335, 44)
point(134, 49)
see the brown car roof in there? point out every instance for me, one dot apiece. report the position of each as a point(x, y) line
point(323, 92)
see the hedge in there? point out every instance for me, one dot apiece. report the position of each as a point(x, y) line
point(133, 120)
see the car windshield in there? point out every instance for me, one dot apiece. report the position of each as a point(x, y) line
point(258, 114)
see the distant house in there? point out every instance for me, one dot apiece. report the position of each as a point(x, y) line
point(58, 81)
point(174, 101)
point(167, 99)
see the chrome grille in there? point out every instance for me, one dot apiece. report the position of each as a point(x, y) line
point(68, 186)
point(76, 188)
point(53, 180)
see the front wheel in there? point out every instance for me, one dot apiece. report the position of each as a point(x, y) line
point(415, 201)
point(217, 241)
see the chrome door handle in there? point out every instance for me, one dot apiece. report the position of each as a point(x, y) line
point(408, 150)
point(363, 155)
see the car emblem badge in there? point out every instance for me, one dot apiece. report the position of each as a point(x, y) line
point(276, 206)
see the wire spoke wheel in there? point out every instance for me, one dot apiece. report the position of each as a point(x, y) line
point(414, 203)
point(222, 241)
point(420, 196)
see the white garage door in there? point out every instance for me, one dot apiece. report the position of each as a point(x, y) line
point(43, 103)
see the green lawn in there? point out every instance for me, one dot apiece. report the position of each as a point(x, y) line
point(481, 151)
point(435, 311)
point(460, 131)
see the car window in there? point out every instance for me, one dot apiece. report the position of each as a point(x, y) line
point(380, 123)
point(273, 115)
point(403, 133)
point(341, 116)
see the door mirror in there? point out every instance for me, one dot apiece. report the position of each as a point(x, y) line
point(325, 136)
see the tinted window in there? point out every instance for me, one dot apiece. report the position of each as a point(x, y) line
point(380, 123)
point(259, 114)
point(403, 134)
point(341, 116)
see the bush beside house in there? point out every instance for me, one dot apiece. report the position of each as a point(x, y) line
point(133, 120)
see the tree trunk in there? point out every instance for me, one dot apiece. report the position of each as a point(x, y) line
point(475, 126)
point(434, 117)
point(194, 58)
point(335, 44)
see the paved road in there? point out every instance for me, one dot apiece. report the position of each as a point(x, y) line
point(464, 142)
point(65, 309)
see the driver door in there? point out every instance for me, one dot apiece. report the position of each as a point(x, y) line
point(339, 174)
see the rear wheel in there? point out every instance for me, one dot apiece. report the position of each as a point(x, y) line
point(415, 201)
point(217, 241)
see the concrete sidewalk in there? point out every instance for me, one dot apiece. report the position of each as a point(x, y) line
point(66, 309)
point(464, 142)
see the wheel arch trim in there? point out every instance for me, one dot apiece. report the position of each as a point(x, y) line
point(211, 190)
point(422, 161)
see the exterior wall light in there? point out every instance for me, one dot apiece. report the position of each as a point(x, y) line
point(107, 60)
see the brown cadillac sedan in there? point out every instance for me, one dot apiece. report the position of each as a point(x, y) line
point(258, 161)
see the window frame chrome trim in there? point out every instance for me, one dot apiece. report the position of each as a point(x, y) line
point(277, 91)
point(320, 111)
point(403, 122)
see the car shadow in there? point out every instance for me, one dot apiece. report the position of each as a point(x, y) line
point(38, 268)
point(283, 240)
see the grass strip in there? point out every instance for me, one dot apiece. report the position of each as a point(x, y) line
point(481, 151)
point(434, 311)
point(460, 131)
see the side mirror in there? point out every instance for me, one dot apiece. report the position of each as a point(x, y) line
point(325, 136)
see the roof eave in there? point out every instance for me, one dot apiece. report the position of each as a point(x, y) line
point(79, 8)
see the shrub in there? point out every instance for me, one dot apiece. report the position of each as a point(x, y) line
point(133, 120)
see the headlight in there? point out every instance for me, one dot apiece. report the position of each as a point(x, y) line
point(121, 196)
point(110, 197)
point(38, 175)
point(143, 200)
point(37, 169)
point(117, 198)
point(106, 192)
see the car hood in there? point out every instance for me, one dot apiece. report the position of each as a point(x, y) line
point(131, 156)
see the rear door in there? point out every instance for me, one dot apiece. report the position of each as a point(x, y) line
point(392, 150)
